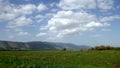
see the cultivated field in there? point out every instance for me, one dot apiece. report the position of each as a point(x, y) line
point(60, 59)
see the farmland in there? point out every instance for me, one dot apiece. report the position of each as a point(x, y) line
point(60, 59)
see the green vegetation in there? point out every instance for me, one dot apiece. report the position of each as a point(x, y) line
point(60, 59)
point(103, 47)
point(64, 49)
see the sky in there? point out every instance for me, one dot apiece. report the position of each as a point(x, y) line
point(82, 22)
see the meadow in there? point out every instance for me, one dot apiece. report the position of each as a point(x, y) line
point(60, 59)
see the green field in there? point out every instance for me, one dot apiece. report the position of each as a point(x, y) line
point(60, 59)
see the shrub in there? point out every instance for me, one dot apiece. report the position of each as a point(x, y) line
point(64, 49)
point(103, 47)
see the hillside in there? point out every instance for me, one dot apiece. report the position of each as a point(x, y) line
point(38, 45)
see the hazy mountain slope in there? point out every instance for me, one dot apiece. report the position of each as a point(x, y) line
point(8, 45)
point(38, 45)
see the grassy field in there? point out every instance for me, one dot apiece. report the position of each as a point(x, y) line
point(60, 59)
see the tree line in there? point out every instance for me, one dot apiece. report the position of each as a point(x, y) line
point(103, 47)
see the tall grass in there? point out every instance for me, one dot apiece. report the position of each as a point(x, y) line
point(60, 59)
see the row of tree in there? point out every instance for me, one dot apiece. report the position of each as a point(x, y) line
point(103, 47)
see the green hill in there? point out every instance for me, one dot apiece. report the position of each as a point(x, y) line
point(38, 45)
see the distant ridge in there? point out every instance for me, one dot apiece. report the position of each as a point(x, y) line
point(39, 45)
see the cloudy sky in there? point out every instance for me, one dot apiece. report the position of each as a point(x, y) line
point(89, 22)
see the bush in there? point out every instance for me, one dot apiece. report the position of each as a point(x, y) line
point(64, 49)
point(103, 47)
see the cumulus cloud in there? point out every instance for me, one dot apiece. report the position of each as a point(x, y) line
point(73, 17)
point(41, 7)
point(96, 24)
point(77, 4)
point(39, 18)
point(109, 18)
point(96, 36)
point(7, 16)
point(10, 11)
point(19, 22)
point(23, 34)
point(26, 9)
point(4, 8)
point(106, 30)
point(85, 4)
point(105, 4)
point(11, 36)
point(18, 30)
point(53, 4)
point(41, 34)
point(66, 23)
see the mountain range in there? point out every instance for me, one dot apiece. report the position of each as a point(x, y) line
point(39, 45)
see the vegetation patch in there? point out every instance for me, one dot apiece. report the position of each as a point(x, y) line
point(60, 59)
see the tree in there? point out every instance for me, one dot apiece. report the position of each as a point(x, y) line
point(64, 49)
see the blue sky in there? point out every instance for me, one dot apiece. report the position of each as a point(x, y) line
point(83, 22)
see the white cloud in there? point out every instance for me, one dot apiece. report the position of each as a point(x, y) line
point(66, 23)
point(109, 18)
point(49, 14)
point(18, 30)
point(5, 11)
point(71, 19)
point(105, 4)
point(11, 36)
point(54, 10)
point(41, 7)
point(41, 34)
point(39, 18)
point(19, 22)
point(10, 11)
point(44, 27)
point(95, 24)
point(85, 4)
point(77, 4)
point(7, 16)
point(23, 34)
point(106, 30)
point(52, 4)
point(96, 36)
point(26, 9)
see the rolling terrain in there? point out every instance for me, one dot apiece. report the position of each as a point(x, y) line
point(38, 45)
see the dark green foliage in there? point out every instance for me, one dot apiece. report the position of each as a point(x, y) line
point(64, 49)
point(102, 47)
